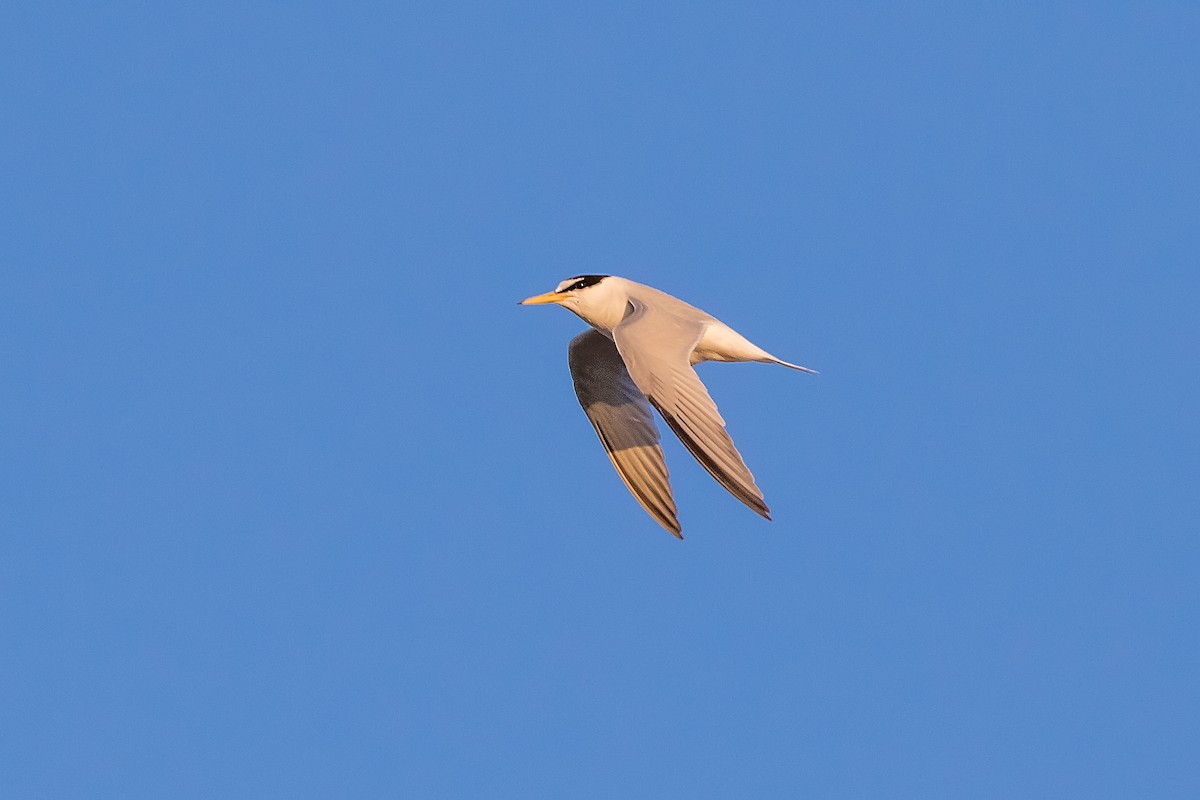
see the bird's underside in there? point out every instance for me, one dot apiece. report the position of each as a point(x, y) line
point(647, 363)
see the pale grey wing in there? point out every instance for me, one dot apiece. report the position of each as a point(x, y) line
point(657, 348)
point(624, 422)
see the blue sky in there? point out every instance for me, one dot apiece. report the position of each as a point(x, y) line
point(299, 503)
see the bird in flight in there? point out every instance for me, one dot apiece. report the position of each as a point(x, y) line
point(639, 353)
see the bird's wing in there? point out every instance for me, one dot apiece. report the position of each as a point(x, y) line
point(657, 347)
point(622, 418)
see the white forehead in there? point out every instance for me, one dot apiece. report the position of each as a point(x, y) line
point(565, 284)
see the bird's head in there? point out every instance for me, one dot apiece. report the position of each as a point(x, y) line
point(597, 299)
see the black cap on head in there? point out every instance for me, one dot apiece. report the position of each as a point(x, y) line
point(579, 282)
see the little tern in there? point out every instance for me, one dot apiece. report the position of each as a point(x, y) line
point(639, 353)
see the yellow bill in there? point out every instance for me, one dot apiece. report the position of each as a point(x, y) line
point(541, 299)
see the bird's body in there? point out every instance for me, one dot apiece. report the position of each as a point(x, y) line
point(640, 353)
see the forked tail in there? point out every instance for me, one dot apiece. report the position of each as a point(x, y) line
point(794, 366)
